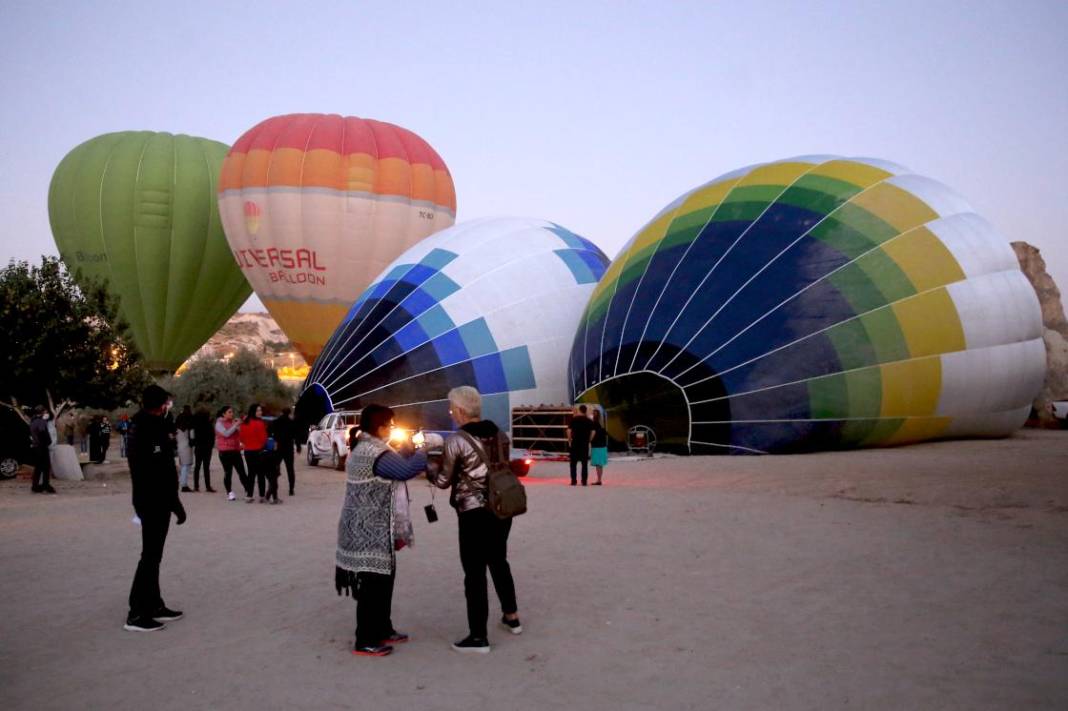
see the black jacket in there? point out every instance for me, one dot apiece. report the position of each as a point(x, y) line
point(284, 431)
point(39, 431)
point(204, 432)
point(150, 453)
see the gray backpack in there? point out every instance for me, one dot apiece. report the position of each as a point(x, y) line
point(505, 495)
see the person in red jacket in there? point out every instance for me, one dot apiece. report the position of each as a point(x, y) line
point(228, 442)
point(253, 440)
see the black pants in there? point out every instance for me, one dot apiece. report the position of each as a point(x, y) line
point(269, 462)
point(201, 458)
point(231, 460)
point(286, 454)
point(42, 467)
point(145, 598)
point(256, 473)
point(374, 608)
point(484, 543)
point(575, 459)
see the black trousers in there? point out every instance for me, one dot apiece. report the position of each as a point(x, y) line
point(256, 473)
point(145, 598)
point(286, 454)
point(484, 543)
point(231, 460)
point(270, 465)
point(374, 607)
point(42, 467)
point(201, 458)
point(575, 459)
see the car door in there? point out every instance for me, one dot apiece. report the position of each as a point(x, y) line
point(321, 436)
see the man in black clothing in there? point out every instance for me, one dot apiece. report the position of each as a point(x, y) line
point(579, 434)
point(284, 431)
point(203, 443)
point(150, 452)
point(42, 440)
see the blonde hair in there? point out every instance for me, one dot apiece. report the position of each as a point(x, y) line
point(467, 399)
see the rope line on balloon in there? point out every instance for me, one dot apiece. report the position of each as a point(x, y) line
point(829, 327)
point(745, 232)
point(767, 265)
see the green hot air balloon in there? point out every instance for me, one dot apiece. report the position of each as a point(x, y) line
point(139, 210)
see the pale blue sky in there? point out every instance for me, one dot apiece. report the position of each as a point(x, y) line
point(591, 114)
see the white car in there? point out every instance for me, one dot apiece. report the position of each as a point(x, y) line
point(330, 438)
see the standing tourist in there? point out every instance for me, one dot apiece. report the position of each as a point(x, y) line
point(155, 498)
point(579, 434)
point(374, 525)
point(93, 433)
point(284, 432)
point(253, 441)
point(598, 446)
point(483, 536)
point(123, 425)
point(42, 440)
point(203, 443)
point(228, 442)
point(105, 438)
point(184, 425)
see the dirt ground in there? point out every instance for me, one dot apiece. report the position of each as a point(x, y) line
point(926, 577)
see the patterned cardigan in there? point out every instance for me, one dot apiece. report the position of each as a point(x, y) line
point(365, 530)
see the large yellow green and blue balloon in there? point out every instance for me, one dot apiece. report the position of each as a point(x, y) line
point(812, 303)
point(138, 209)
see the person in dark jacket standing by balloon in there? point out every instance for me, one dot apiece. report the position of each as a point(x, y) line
point(284, 431)
point(150, 452)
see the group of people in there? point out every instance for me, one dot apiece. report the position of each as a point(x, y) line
point(587, 443)
point(375, 521)
point(265, 449)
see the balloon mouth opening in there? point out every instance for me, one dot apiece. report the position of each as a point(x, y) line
point(644, 399)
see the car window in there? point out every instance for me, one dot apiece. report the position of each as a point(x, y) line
point(325, 422)
point(352, 420)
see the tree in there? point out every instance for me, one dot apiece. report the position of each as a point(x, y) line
point(65, 344)
point(238, 382)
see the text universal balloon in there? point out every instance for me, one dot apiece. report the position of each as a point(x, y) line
point(138, 209)
point(315, 206)
point(812, 303)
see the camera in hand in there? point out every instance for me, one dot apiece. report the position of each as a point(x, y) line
point(431, 513)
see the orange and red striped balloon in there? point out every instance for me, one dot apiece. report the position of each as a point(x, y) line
point(315, 206)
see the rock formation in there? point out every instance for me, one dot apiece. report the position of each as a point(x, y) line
point(1056, 328)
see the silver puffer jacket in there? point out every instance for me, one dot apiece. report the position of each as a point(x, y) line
point(462, 468)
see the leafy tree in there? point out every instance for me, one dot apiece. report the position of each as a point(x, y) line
point(240, 381)
point(65, 344)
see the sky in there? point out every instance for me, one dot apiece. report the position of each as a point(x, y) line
point(594, 115)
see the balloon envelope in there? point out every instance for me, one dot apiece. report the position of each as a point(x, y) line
point(138, 209)
point(812, 303)
point(315, 206)
point(490, 303)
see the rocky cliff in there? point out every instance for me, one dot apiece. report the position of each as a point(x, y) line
point(256, 332)
point(1056, 327)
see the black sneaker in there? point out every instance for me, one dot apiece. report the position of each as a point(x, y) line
point(186, 490)
point(475, 645)
point(395, 637)
point(165, 614)
point(512, 626)
point(48, 489)
point(142, 624)
point(373, 650)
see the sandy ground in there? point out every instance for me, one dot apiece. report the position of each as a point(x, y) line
point(926, 577)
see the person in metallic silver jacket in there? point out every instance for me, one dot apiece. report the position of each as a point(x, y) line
point(483, 536)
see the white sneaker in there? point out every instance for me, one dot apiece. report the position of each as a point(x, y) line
point(231, 496)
